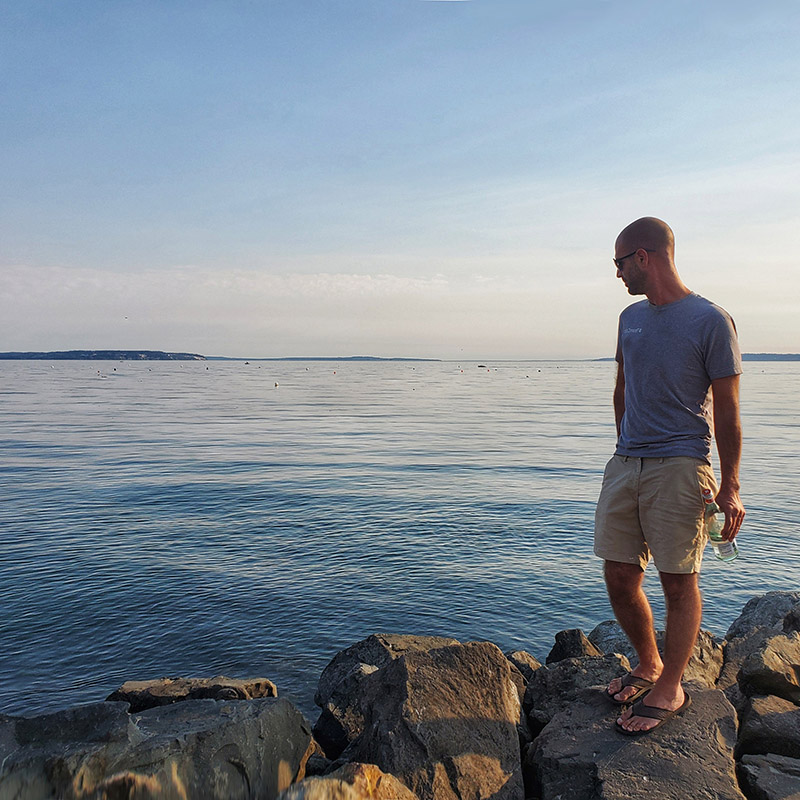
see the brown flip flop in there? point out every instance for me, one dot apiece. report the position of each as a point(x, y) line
point(642, 686)
point(641, 709)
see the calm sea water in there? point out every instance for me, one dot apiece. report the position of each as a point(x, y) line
point(164, 519)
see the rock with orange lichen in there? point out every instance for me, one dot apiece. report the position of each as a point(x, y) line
point(350, 782)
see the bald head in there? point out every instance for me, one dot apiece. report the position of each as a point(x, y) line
point(645, 261)
point(649, 233)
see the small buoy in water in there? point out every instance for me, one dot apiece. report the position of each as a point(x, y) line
point(276, 384)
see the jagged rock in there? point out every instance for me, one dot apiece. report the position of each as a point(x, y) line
point(342, 719)
point(350, 782)
point(377, 651)
point(764, 611)
point(608, 637)
point(704, 665)
point(203, 749)
point(571, 644)
point(761, 618)
point(791, 622)
point(737, 651)
point(774, 669)
point(769, 725)
point(518, 679)
point(578, 756)
point(524, 662)
point(551, 688)
point(318, 765)
point(770, 777)
point(164, 691)
point(444, 722)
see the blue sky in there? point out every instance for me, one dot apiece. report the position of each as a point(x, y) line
point(438, 178)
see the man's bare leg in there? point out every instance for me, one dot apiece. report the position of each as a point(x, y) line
point(633, 612)
point(684, 612)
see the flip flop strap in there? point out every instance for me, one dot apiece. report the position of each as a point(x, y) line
point(641, 709)
point(635, 681)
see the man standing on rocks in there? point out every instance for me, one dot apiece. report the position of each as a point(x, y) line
point(672, 348)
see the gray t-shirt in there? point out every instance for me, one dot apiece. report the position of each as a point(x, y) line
point(670, 355)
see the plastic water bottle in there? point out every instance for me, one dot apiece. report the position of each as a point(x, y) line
point(724, 551)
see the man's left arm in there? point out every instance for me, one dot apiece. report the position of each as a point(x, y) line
point(728, 434)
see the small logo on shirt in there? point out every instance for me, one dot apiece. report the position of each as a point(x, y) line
point(632, 330)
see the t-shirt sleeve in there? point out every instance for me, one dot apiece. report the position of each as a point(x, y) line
point(618, 356)
point(722, 355)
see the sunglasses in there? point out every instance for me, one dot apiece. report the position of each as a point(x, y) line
point(618, 261)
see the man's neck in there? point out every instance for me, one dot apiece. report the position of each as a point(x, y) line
point(663, 295)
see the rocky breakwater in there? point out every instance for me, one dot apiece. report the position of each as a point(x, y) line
point(406, 717)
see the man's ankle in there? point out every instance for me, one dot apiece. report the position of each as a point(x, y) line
point(650, 670)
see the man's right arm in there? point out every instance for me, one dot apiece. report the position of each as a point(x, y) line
point(619, 396)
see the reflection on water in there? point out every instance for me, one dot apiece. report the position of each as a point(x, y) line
point(195, 519)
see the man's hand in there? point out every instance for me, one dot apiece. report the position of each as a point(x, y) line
point(730, 504)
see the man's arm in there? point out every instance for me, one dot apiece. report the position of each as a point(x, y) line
point(728, 433)
point(619, 396)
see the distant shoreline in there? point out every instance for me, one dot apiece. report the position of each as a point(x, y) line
point(159, 355)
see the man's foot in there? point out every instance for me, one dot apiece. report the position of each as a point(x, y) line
point(642, 717)
point(630, 687)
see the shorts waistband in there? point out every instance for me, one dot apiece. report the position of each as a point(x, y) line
point(657, 459)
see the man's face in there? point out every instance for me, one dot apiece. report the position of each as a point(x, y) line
point(631, 273)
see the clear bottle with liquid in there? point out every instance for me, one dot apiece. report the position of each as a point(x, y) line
point(714, 521)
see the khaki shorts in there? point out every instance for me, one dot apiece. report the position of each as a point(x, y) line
point(653, 506)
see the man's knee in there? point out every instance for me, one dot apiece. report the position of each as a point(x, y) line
point(679, 587)
point(622, 580)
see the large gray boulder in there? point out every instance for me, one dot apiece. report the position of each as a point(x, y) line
point(204, 749)
point(339, 689)
point(764, 611)
point(761, 618)
point(774, 668)
point(736, 652)
point(769, 725)
point(444, 722)
point(704, 665)
point(770, 777)
point(554, 687)
point(608, 637)
point(579, 756)
point(350, 782)
point(791, 622)
point(141, 695)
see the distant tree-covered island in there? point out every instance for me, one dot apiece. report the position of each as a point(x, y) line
point(103, 355)
point(160, 355)
point(771, 357)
